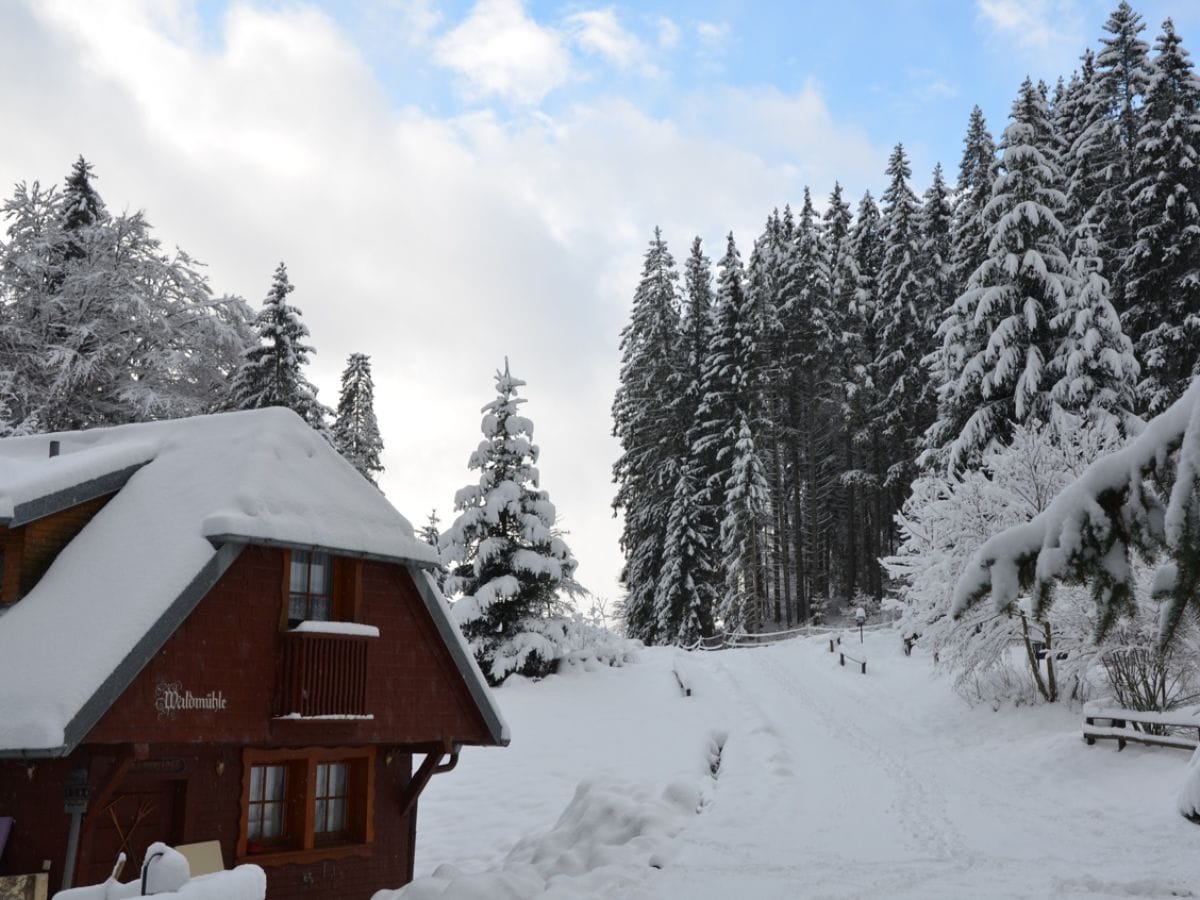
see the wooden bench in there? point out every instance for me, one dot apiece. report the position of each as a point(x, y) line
point(1121, 725)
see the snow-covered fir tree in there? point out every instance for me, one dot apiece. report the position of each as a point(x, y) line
point(690, 584)
point(509, 568)
point(651, 441)
point(1093, 368)
point(1163, 268)
point(1012, 297)
point(432, 535)
point(272, 373)
point(355, 430)
point(903, 319)
point(1106, 151)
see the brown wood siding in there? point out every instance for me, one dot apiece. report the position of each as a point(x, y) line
point(231, 646)
point(195, 792)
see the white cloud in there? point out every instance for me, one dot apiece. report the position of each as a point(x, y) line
point(668, 33)
point(501, 52)
point(599, 31)
point(1038, 27)
point(408, 22)
point(438, 245)
point(712, 35)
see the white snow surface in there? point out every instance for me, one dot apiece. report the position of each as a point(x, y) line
point(357, 629)
point(830, 784)
point(262, 475)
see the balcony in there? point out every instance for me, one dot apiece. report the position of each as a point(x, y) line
point(322, 675)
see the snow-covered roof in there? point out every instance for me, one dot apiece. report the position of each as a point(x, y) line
point(191, 491)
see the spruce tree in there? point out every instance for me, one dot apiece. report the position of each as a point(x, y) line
point(1094, 369)
point(973, 191)
point(431, 534)
point(1106, 151)
point(1163, 269)
point(902, 322)
point(81, 208)
point(651, 441)
point(689, 586)
point(355, 430)
point(1013, 296)
point(272, 373)
point(509, 567)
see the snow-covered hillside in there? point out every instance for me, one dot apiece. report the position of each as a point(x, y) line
point(828, 783)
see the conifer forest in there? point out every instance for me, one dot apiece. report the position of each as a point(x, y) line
point(785, 412)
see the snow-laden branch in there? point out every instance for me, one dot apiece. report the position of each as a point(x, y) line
point(1088, 531)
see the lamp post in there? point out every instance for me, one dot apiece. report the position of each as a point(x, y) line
point(860, 616)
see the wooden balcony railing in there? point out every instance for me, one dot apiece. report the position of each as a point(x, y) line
point(322, 675)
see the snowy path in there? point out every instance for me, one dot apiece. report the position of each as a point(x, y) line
point(830, 784)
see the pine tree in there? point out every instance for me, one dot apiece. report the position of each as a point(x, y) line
point(432, 535)
point(902, 320)
point(81, 208)
point(1106, 151)
point(651, 441)
point(747, 504)
point(938, 292)
point(1012, 297)
point(730, 410)
point(689, 587)
point(976, 174)
point(272, 373)
point(355, 430)
point(863, 471)
point(1094, 369)
point(509, 567)
point(1163, 269)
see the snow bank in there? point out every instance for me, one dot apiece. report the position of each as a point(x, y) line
point(261, 475)
point(607, 838)
point(169, 878)
point(1189, 796)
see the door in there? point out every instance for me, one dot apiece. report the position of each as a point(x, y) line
point(142, 811)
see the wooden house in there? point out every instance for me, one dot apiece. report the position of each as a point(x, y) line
point(215, 629)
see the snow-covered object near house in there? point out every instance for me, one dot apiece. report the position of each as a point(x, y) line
point(186, 492)
point(245, 882)
point(1088, 532)
point(1189, 796)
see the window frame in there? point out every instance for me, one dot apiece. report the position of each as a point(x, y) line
point(301, 842)
point(345, 587)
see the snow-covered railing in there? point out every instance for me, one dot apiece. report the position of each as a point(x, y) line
point(1177, 728)
point(725, 640)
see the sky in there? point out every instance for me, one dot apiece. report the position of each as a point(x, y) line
point(454, 183)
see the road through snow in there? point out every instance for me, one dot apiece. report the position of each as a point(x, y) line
point(830, 784)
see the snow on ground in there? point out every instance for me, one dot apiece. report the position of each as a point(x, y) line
point(829, 784)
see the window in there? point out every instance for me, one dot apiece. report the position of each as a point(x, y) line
point(331, 800)
point(310, 597)
point(302, 804)
point(319, 587)
point(268, 788)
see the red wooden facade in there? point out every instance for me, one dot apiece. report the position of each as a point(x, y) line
point(233, 688)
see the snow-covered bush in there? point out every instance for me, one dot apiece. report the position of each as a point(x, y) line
point(509, 566)
point(1143, 499)
point(946, 519)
